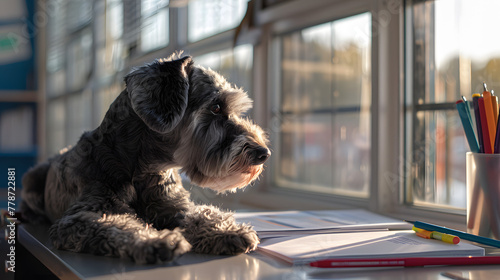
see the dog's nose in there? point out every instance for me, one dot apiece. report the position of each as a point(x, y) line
point(260, 155)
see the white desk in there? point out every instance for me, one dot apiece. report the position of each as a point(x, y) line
point(67, 265)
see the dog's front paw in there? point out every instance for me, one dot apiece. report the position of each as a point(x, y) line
point(243, 240)
point(165, 248)
point(249, 241)
point(230, 242)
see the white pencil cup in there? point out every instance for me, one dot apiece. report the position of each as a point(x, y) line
point(483, 194)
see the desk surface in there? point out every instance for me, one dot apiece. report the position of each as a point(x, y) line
point(68, 265)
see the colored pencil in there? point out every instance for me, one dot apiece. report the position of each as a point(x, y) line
point(494, 104)
point(461, 234)
point(484, 127)
point(475, 102)
point(490, 116)
point(386, 262)
point(467, 125)
point(497, 137)
point(448, 238)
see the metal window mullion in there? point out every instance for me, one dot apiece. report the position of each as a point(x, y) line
point(418, 94)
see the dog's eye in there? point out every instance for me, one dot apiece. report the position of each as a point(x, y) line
point(215, 109)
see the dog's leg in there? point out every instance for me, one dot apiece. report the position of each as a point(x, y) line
point(115, 234)
point(163, 201)
point(212, 231)
point(165, 204)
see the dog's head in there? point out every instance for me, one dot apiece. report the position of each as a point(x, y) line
point(216, 145)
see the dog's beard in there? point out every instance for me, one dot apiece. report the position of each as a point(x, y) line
point(232, 181)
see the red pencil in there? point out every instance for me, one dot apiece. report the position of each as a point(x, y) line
point(385, 262)
point(488, 146)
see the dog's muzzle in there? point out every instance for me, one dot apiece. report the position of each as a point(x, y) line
point(260, 155)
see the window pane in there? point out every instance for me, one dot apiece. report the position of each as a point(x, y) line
point(325, 107)
point(307, 64)
point(78, 116)
point(114, 19)
point(234, 64)
point(16, 129)
point(439, 159)
point(150, 7)
point(56, 49)
point(56, 115)
point(78, 13)
point(209, 17)
point(79, 62)
point(154, 24)
point(452, 50)
point(466, 47)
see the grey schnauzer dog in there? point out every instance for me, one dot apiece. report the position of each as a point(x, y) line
point(118, 192)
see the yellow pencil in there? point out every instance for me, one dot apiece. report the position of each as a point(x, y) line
point(448, 238)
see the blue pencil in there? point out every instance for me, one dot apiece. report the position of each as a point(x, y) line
point(461, 234)
point(467, 124)
point(467, 108)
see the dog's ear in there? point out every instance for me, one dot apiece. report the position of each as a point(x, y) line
point(159, 92)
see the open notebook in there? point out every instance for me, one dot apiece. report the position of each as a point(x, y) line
point(287, 223)
point(375, 244)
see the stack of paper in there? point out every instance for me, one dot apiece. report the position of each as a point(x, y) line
point(379, 244)
point(277, 224)
point(303, 237)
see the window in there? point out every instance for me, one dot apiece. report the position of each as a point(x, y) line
point(452, 47)
point(79, 60)
point(16, 128)
point(56, 58)
point(323, 124)
point(209, 17)
point(114, 47)
point(78, 14)
point(56, 115)
point(154, 24)
point(234, 64)
point(78, 116)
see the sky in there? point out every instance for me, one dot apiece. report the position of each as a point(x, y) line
point(467, 27)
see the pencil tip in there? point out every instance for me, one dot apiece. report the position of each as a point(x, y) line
point(411, 222)
point(485, 87)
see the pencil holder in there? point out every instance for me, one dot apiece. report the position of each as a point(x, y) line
point(483, 194)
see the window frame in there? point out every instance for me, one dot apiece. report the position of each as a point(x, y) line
point(451, 214)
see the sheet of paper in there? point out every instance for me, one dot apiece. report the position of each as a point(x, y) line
point(272, 224)
point(378, 244)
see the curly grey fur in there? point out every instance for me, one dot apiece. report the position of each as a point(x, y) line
point(118, 192)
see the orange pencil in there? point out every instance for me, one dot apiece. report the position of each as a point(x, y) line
point(490, 116)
